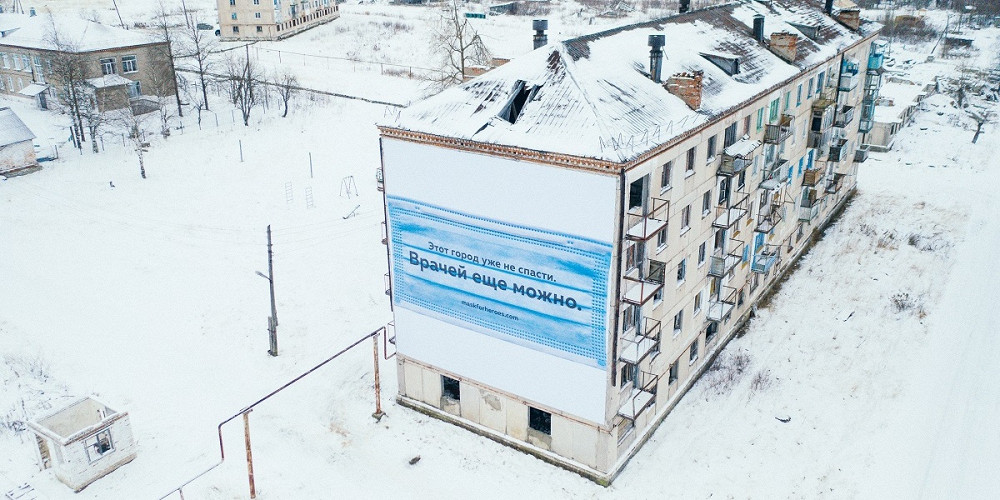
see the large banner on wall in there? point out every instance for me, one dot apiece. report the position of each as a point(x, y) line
point(501, 271)
point(536, 288)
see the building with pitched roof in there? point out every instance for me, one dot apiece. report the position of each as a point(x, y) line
point(136, 62)
point(16, 149)
point(573, 236)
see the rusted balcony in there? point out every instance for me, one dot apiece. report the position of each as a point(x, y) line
point(765, 258)
point(768, 217)
point(721, 263)
point(833, 185)
point(845, 115)
point(643, 226)
point(639, 289)
point(641, 341)
point(812, 177)
point(776, 133)
point(641, 397)
point(838, 151)
point(720, 305)
point(738, 157)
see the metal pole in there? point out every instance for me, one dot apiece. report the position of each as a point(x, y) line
point(310, 165)
point(241, 151)
point(246, 433)
point(274, 311)
point(378, 398)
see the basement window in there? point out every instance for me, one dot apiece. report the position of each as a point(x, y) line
point(540, 420)
point(450, 388)
point(519, 97)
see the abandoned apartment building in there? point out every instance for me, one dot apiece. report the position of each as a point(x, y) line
point(272, 19)
point(574, 235)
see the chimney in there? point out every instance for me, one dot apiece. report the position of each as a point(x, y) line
point(829, 8)
point(656, 43)
point(850, 18)
point(758, 27)
point(687, 86)
point(785, 45)
point(540, 25)
point(685, 6)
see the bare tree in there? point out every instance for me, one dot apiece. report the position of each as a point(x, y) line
point(244, 83)
point(165, 53)
point(199, 46)
point(69, 76)
point(134, 126)
point(286, 85)
point(91, 111)
point(161, 83)
point(461, 45)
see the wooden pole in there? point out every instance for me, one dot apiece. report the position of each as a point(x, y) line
point(378, 398)
point(246, 432)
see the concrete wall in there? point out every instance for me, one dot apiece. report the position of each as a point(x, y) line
point(76, 468)
point(17, 156)
point(263, 20)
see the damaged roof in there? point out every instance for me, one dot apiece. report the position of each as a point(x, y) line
point(592, 96)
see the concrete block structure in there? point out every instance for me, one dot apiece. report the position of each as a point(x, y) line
point(17, 152)
point(83, 442)
point(272, 19)
point(573, 236)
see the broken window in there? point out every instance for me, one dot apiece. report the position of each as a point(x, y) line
point(519, 97)
point(540, 420)
point(450, 388)
point(99, 445)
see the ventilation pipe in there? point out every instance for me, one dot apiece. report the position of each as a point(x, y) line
point(656, 43)
point(685, 6)
point(758, 27)
point(829, 8)
point(540, 25)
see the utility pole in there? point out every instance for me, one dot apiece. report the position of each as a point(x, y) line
point(272, 321)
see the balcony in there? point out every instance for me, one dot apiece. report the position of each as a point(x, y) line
point(719, 306)
point(777, 133)
point(738, 157)
point(850, 67)
point(722, 263)
point(776, 175)
point(643, 226)
point(819, 140)
point(861, 154)
point(640, 343)
point(844, 117)
point(768, 217)
point(765, 258)
point(848, 82)
point(812, 177)
point(808, 214)
point(641, 397)
point(638, 289)
point(833, 185)
point(838, 151)
point(379, 179)
point(385, 234)
point(727, 216)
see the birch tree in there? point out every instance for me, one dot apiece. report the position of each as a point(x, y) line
point(461, 45)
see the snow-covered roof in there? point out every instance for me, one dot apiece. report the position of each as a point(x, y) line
point(106, 81)
point(594, 98)
point(75, 34)
point(902, 96)
point(12, 129)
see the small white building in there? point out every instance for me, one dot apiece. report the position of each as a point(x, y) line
point(16, 150)
point(898, 101)
point(83, 442)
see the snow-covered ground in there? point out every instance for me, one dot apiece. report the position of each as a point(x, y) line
point(880, 348)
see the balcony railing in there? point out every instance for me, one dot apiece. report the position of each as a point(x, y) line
point(776, 175)
point(727, 216)
point(639, 289)
point(642, 396)
point(819, 140)
point(861, 154)
point(643, 226)
point(765, 258)
point(738, 157)
point(833, 185)
point(844, 117)
point(768, 217)
point(719, 306)
point(847, 82)
point(723, 262)
point(808, 214)
point(643, 341)
point(812, 177)
point(838, 151)
point(379, 179)
point(776, 133)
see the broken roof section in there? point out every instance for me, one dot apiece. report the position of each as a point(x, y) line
point(592, 96)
